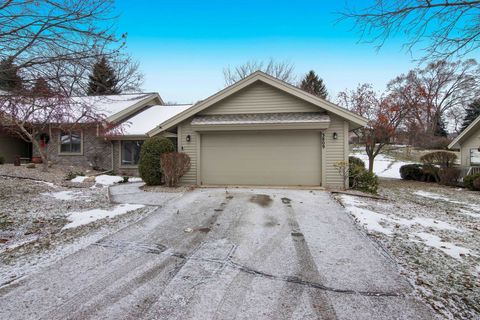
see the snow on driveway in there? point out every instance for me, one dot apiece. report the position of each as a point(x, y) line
point(252, 253)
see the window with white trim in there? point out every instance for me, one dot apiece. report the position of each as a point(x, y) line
point(71, 142)
point(130, 152)
point(475, 157)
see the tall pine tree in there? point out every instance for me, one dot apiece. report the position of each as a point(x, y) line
point(440, 128)
point(472, 112)
point(42, 88)
point(10, 80)
point(311, 83)
point(103, 80)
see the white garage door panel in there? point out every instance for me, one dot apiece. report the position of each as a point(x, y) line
point(261, 158)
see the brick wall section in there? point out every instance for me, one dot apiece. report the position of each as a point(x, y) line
point(93, 147)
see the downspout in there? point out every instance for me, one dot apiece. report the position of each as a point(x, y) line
point(111, 143)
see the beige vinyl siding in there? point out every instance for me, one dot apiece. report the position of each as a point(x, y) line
point(260, 98)
point(473, 142)
point(335, 150)
point(190, 148)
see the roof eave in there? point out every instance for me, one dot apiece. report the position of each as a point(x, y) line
point(260, 76)
point(455, 144)
point(127, 112)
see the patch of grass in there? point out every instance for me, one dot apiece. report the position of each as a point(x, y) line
point(5, 222)
point(73, 174)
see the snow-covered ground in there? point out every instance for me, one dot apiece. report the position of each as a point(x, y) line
point(104, 179)
point(80, 218)
point(41, 221)
point(384, 166)
point(434, 233)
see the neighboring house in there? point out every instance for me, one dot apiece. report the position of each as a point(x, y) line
point(260, 131)
point(127, 142)
point(468, 141)
point(86, 145)
point(10, 147)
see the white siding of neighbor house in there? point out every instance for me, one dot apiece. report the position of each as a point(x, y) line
point(473, 142)
point(260, 98)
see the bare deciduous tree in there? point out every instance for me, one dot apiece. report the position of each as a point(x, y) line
point(443, 28)
point(384, 113)
point(57, 41)
point(441, 89)
point(282, 70)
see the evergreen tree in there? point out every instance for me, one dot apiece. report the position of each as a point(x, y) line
point(311, 83)
point(42, 88)
point(440, 128)
point(9, 78)
point(103, 80)
point(471, 113)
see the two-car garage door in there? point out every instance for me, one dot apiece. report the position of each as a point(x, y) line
point(261, 158)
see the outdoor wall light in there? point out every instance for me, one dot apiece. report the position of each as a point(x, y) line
point(335, 136)
point(188, 138)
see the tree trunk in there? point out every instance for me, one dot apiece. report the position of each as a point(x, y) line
point(44, 157)
point(370, 163)
point(43, 153)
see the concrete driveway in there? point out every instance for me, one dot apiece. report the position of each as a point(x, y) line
point(217, 254)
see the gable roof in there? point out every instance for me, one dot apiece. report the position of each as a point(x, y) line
point(111, 108)
point(475, 125)
point(355, 120)
point(144, 121)
point(121, 106)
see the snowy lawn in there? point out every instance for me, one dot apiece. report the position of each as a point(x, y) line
point(38, 216)
point(384, 166)
point(433, 232)
point(105, 180)
point(81, 218)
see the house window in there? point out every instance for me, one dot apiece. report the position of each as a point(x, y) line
point(130, 152)
point(71, 142)
point(474, 157)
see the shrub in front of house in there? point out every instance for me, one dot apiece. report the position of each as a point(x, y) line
point(444, 159)
point(411, 172)
point(476, 184)
point(449, 176)
point(359, 178)
point(149, 163)
point(354, 161)
point(355, 167)
point(366, 181)
point(418, 172)
point(174, 166)
point(2, 160)
point(471, 181)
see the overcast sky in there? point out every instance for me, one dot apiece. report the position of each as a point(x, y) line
point(183, 46)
